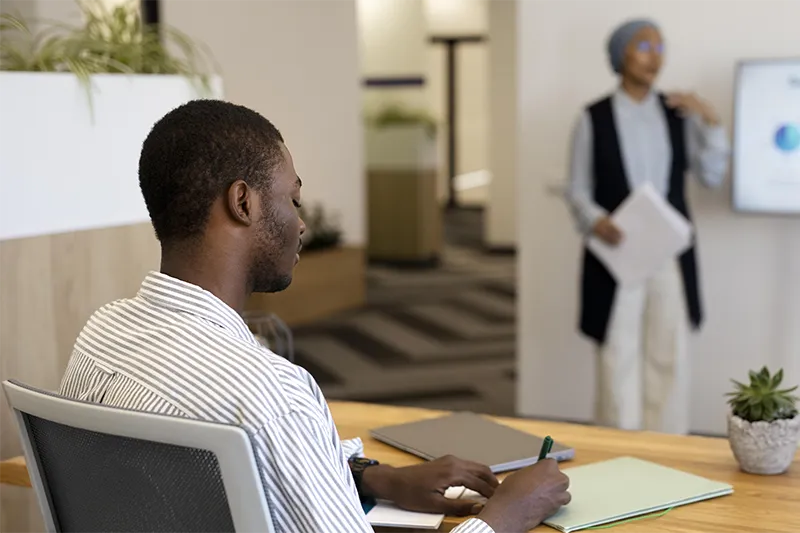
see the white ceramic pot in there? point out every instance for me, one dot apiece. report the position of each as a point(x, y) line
point(764, 447)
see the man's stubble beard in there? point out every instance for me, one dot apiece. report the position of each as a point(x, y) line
point(265, 272)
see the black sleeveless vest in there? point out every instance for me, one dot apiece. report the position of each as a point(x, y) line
point(611, 187)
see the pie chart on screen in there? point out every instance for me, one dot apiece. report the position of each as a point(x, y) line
point(765, 167)
point(787, 138)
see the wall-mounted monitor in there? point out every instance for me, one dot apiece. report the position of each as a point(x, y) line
point(766, 147)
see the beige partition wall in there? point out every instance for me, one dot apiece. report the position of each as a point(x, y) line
point(49, 286)
point(404, 216)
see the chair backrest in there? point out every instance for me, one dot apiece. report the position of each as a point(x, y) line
point(99, 468)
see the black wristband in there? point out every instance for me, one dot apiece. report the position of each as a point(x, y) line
point(357, 467)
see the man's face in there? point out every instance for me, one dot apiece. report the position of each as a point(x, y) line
point(643, 57)
point(278, 231)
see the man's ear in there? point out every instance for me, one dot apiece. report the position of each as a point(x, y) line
point(241, 202)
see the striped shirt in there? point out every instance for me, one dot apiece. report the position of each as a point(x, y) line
point(178, 350)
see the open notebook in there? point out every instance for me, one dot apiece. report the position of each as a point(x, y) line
point(386, 514)
point(626, 487)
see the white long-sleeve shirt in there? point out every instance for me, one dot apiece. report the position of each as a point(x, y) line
point(178, 350)
point(646, 153)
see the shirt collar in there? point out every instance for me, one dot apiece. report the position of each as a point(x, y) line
point(623, 98)
point(172, 293)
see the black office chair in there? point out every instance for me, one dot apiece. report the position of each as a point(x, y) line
point(103, 469)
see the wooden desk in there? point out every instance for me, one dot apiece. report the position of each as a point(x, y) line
point(759, 503)
point(768, 503)
point(14, 472)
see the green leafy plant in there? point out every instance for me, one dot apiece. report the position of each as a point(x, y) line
point(762, 399)
point(321, 231)
point(399, 115)
point(109, 41)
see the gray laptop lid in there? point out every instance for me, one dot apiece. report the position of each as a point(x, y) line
point(470, 437)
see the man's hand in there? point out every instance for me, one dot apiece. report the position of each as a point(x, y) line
point(607, 231)
point(527, 498)
point(422, 487)
point(688, 103)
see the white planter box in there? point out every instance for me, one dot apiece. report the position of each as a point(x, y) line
point(400, 148)
point(62, 170)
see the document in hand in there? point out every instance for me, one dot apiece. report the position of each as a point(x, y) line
point(653, 233)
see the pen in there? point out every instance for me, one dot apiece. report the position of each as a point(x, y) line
point(547, 444)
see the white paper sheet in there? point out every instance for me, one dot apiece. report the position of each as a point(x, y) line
point(386, 514)
point(653, 233)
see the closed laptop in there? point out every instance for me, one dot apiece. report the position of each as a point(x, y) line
point(471, 437)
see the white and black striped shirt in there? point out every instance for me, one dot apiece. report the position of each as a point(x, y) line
point(177, 349)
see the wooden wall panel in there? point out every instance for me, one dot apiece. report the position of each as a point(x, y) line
point(49, 286)
point(324, 282)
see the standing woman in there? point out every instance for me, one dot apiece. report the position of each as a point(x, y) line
point(634, 136)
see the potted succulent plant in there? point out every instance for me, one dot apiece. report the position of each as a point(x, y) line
point(763, 426)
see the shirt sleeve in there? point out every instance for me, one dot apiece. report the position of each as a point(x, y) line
point(579, 193)
point(353, 448)
point(473, 525)
point(308, 482)
point(708, 150)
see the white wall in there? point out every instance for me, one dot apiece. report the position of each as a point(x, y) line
point(749, 265)
point(393, 37)
point(456, 17)
point(53, 10)
point(296, 62)
point(461, 17)
point(35, 11)
point(500, 227)
point(392, 44)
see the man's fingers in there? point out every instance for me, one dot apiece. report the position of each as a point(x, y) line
point(485, 473)
point(458, 507)
point(477, 484)
point(473, 476)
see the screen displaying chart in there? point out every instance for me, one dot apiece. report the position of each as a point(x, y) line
point(766, 150)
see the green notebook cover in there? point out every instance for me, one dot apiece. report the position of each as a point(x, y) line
point(626, 487)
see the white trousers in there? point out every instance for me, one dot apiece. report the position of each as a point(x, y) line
point(643, 367)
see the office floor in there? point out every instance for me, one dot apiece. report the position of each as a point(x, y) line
point(439, 338)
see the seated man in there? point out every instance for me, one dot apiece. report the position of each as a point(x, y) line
point(222, 194)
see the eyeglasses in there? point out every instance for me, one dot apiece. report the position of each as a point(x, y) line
point(647, 46)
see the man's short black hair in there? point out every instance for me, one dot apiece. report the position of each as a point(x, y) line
point(194, 153)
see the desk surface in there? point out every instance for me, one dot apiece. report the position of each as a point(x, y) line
point(14, 472)
point(762, 503)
